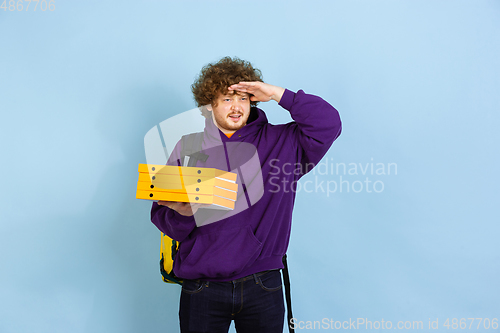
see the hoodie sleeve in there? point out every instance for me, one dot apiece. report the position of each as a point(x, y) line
point(168, 221)
point(171, 223)
point(318, 123)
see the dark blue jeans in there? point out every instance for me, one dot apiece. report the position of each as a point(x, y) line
point(255, 303)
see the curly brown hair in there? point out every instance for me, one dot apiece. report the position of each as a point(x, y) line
point(215, 78)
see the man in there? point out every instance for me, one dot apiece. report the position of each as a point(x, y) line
point(230, 266)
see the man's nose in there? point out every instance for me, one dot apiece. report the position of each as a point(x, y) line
point(236, 105)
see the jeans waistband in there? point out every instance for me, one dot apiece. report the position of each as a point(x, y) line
point(251, 276)
point(248, 277)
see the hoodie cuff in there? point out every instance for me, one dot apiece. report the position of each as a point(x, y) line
point(287, 99)
point(183, 218)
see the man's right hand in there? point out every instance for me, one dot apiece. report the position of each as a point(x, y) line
point(183, 208)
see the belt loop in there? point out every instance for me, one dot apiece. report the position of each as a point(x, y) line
point(255, 278)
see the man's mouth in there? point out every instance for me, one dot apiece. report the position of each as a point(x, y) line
point(235, 117)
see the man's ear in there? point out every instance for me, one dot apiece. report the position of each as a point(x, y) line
point(209, 107)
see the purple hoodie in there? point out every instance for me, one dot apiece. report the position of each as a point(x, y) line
point(223, 246)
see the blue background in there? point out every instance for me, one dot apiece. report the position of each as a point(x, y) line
point(416, 83)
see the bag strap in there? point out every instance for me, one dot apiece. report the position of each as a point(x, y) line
point(288, 295)
point(168, 276)
point(191, 149)
point(190, 154)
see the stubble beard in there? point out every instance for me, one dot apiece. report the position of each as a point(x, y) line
point(226, 124)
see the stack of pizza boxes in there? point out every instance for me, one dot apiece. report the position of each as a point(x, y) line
point(213, 187)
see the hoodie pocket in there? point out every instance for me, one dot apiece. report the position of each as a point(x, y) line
point(221, 254)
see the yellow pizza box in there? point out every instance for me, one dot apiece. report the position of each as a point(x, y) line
point(177, 182)
point(154, 169)
point(190, 189)
point(217, 202)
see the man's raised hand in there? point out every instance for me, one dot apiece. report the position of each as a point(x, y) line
point(262, 92)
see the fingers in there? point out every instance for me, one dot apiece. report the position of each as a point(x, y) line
point(242, 84)
point(175, 205)
point(199, 205)
point(167, 203)
point(181, 205)
point(245, 86)
point(259, 91)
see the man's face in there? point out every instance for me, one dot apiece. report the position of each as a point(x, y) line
point(231, 112)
